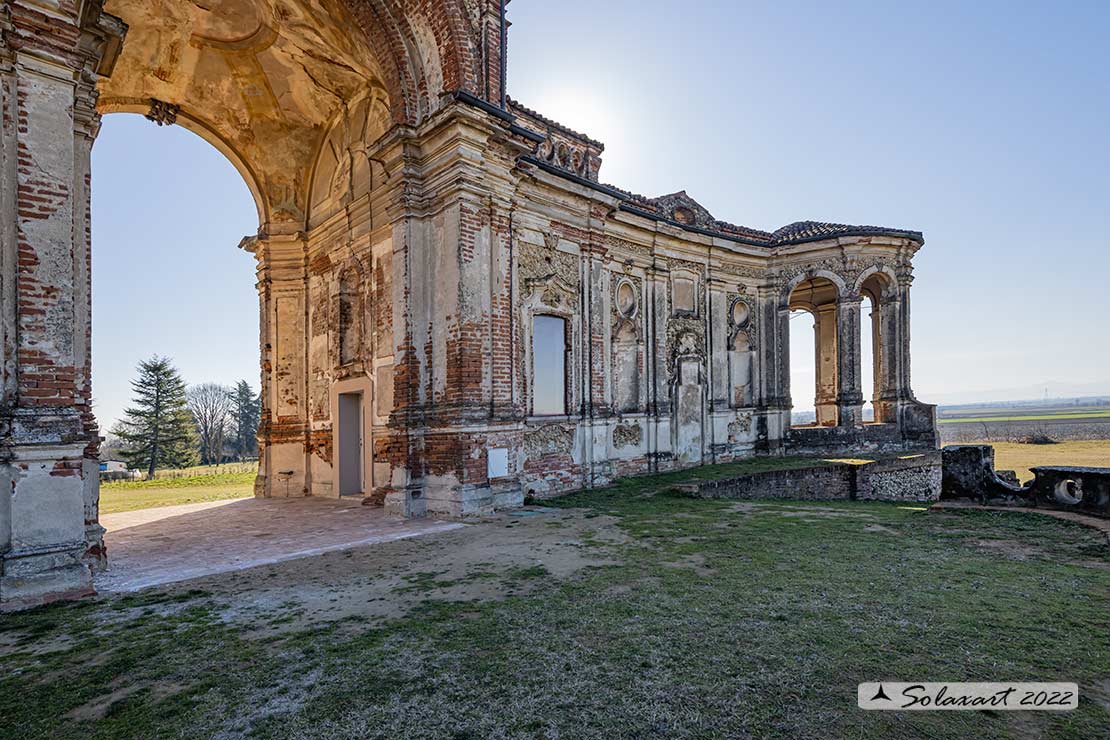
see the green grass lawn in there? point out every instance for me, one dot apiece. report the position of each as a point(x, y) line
point(711, 619)
point(195, 487)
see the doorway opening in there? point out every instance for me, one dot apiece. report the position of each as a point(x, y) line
point(351, 468)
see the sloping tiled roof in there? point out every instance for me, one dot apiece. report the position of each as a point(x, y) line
point(801, 231)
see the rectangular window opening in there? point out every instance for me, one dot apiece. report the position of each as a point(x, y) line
point(549, 366)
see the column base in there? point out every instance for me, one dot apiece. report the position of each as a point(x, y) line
point(31, 578)
point(849, 414)
point(826, 414)
point(409, 503)
point(96, 552)
point(453, 501)
point(50, 531)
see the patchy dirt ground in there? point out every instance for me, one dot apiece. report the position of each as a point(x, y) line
point(610, 613)
point(490, 559)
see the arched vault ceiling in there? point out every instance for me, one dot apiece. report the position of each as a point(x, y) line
point(261, 79)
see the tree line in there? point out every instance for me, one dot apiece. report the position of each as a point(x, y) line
point(174, 425)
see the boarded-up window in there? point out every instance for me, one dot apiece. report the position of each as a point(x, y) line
point(684, 295)
point(626, 371)
point(740, 370)
point(549, 366)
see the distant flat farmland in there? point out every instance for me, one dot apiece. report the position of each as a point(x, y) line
point(1017, 423)
point(1047, 416)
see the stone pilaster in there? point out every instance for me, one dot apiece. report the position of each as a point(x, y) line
point(453, 330)
point(283, 334)
point(777, 354)
point(718, 325)
point(659, 400)
point(49, 534)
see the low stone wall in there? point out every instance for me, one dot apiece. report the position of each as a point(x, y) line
point(904, 478)
point(834, 481)
point(831, 440)
point(969, 473)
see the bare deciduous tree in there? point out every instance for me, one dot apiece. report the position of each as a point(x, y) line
point(210, 404)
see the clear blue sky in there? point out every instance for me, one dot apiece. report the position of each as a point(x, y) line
point(982, 124)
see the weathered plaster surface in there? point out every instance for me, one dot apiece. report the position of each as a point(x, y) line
point(412, 223)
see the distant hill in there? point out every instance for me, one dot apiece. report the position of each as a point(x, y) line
point(1080, 402)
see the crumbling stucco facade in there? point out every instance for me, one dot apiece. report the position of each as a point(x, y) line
point(414, 223)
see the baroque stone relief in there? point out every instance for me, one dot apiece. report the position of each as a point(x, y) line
point(741, 425)
point(550, 275)
point(624, 246)
point(549, 439)
point(627, 435)
point(685, 340)
point(536, 263)
point(848, 269)
point(741, 271)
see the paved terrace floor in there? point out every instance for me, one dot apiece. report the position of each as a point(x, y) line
point(152, 547)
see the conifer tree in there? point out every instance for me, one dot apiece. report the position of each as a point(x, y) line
point(158, 429)
point(246, 414)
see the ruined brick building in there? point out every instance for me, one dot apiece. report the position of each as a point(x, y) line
point(455, 311)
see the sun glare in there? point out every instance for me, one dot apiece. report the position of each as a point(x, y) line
point(581, 109)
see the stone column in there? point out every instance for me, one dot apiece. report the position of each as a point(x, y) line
point(901, 349)
point(596, 332)
point(849, 396)
point(283, 432)
point(780, 394)
point(826, 356)
point(885, 341)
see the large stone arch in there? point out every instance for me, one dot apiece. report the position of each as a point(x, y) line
point(265, 80)
point(268, 83)
point(412, 68)
point(887, 279)
point(809, 274)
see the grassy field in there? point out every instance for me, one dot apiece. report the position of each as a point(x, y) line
point(191, 486)
point(1021, 457)
point(691, 618)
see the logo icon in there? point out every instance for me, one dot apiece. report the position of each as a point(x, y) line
point(880, 694)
